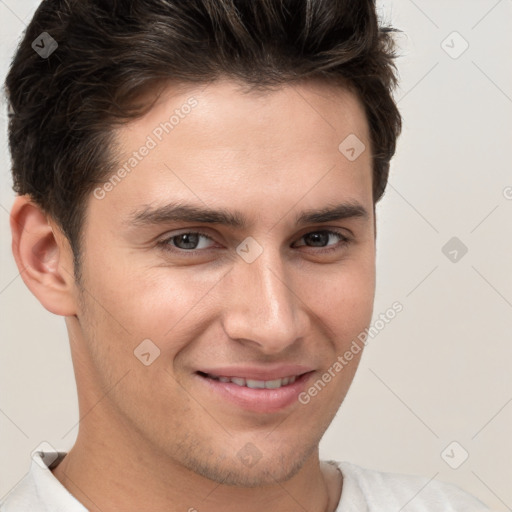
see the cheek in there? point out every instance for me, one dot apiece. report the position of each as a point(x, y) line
point(342, 297)
point(160, 303)
point(146, 302)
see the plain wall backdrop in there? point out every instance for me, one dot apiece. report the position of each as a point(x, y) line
point(434, 386)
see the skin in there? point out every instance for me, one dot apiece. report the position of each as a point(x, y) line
point(153, 437)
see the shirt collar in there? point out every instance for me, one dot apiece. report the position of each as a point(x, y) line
point(40, 490)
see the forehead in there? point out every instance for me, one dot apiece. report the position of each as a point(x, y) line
point(222, 145)
point(226, 112)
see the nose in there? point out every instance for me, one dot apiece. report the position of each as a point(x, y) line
point(262, 307)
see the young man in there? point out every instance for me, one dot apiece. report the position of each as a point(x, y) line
point(196, 189)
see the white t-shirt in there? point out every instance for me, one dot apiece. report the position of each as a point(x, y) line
point(364, 490)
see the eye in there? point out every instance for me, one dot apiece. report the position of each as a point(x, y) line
point(321, 239)
point(188, 241)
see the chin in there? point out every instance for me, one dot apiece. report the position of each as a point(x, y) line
point(249, 469)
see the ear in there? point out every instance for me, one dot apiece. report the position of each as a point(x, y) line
point(43, 256)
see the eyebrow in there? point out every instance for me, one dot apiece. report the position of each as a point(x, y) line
point(179, 212)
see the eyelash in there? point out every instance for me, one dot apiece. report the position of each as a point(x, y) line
point(166, 246)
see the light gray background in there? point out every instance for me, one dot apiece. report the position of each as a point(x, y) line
point(440, 371)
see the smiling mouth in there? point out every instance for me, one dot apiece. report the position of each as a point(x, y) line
point(252, 383)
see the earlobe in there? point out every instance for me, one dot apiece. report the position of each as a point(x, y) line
point(43, 256)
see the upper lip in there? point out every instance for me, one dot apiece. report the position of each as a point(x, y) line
point(268, 372)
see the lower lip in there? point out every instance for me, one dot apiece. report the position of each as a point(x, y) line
point(259, 400)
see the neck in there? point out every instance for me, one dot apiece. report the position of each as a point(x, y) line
point(107, 474)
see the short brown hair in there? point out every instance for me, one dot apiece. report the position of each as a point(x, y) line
point(64, 106)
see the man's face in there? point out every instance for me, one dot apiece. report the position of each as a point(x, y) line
point(277, 294)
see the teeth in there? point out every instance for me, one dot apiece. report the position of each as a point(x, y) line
point(257, 384)
point(274, 384)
